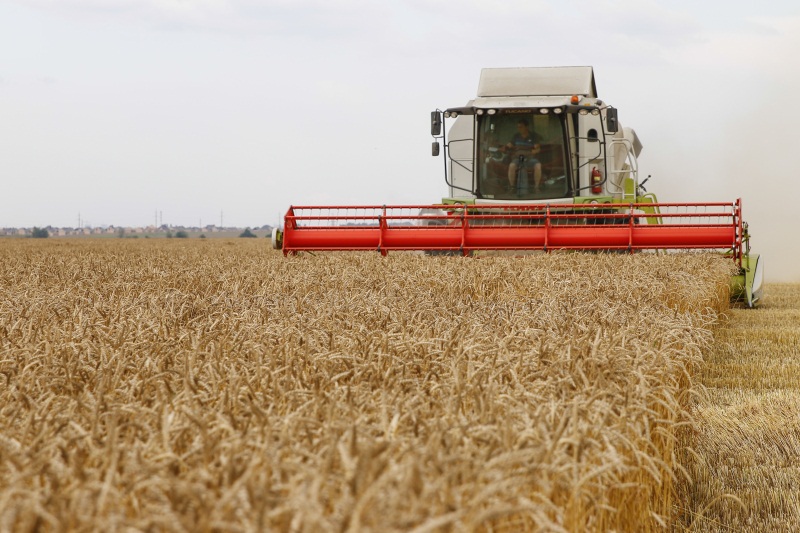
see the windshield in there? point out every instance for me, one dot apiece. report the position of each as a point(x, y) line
point(521, 156)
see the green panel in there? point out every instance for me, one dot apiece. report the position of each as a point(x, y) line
point(594, 200)
point(747, 286)
point(650, 198)
point(629, 186)
point(457, 201)
point(738, 283)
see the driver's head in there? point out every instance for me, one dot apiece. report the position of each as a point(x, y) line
point(522, 126)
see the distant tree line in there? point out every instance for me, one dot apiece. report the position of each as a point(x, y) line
point(42, 233)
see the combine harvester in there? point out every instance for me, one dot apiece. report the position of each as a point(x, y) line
point(535, 162)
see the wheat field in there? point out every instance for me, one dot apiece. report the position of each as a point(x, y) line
point(188, 385)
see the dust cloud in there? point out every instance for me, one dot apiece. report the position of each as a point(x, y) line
point(736, 146)
point(760, 160)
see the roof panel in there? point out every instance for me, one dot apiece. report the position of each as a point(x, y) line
point(537, 81)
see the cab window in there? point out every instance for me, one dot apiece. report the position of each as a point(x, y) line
point(521, 156)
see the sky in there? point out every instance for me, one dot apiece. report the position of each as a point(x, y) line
point(229, 111)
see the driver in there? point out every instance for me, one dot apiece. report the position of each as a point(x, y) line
point(525, 144)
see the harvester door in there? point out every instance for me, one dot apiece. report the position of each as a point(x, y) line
point(460, 154)
point(590, 155)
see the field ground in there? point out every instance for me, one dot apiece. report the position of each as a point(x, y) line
point(747, 465)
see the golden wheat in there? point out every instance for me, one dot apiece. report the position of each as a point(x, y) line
point(190, 385)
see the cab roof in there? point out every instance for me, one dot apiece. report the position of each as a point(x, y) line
point(537, 81)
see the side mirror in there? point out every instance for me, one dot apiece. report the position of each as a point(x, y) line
point(612, 121)
point(436, 123)
point(435, 148)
